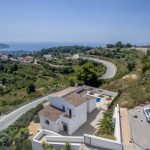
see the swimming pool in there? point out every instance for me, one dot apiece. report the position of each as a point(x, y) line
point(98, 100)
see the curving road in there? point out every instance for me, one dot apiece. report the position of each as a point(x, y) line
point(10, 118)
point(111, 68)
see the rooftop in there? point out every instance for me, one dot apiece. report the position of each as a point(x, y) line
point(78, 95)
point(64, 92)
point(51, 112)
point(75, 99)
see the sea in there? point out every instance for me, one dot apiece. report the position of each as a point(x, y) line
point(36, 46)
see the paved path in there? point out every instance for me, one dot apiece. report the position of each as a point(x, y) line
point(125, 129)
point(140, 128)
point(111, 68)
point(13, 116)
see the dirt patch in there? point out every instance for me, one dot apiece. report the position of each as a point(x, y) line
point(131, 76)
point(33, 129)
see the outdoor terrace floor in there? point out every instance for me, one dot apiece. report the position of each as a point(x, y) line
point(90, 126)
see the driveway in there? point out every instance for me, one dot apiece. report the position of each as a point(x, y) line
point(140, 128)
point(90, 126)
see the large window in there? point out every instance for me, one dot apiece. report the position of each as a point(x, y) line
point(47, 122)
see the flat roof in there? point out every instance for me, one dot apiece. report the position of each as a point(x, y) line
point(64, 92)
point(100, 91)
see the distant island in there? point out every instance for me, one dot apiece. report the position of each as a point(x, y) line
point(3, 46)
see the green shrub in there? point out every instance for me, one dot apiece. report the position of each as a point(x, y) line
point(66, 147)
point(30, 88)
point(18, 133)
point(25, 145)
point(47, 146)
point(106, 126)
point(36, 119)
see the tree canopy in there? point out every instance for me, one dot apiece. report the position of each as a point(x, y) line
point(86, 74)
point(30, 88)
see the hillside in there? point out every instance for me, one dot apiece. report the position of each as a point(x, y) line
point(132, 80)
point(20, 83)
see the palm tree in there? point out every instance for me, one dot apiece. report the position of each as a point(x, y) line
point(105, 125)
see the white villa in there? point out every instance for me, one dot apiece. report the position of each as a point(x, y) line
point(75, 56)
point(48, 57)
point(84, 142)
point(67, 110)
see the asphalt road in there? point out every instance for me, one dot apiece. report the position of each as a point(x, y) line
point(111, 68)
point(10, 118)
point(140, 129)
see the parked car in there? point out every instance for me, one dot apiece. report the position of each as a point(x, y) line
point(147, 113)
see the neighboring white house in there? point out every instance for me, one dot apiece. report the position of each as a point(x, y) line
point(48, 57)
point(75, 56)
point(4, 57)
point(68, 109)
point(142, 49)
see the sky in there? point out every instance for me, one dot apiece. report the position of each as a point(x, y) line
point(103, 21)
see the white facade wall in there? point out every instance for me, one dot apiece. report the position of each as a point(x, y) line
point(75, 122)
point(37, 143)
point(91, 105)
point(116, 120)
point(102, 142)
point(80, 119)
point(53, 125)
point(64, 139)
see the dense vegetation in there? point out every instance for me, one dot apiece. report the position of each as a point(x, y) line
point(16, 136)
point(20, 83)
point(89, 74)
point(119, 44)
point(56, 51)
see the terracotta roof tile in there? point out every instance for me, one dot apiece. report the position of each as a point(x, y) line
point(75, 99)
point(51, 112)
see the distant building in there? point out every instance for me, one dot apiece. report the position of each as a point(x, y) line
point(75, 56)
point(4, 57)
point(28, 59)
point(48, 57)
point(142, 49)
point(20, 59)
point(13, 59)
